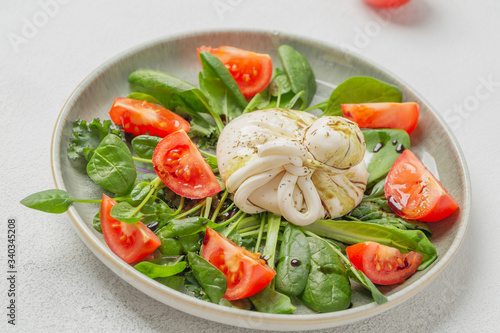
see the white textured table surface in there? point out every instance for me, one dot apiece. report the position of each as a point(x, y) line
point(448, 50)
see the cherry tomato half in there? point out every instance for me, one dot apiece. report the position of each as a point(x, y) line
point(383, 115)
point(387, 3)
point(251, 71)
point(140, 117)
point(181, 167)
point(130, 242)
point(383, 264)
point(414, 193)
point(245, 272)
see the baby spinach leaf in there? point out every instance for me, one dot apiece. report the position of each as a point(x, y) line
point(270, 301)
point(170, 246)
point(209, 277)
point(294, 262)
point(112, 166)
point(140, 191)
point(144, 97)
point(49, 201)
point(153, 270)
point(383, 147)
point(243, 304)
point(290, 104)
point(184, 227)
point(327, 288)
point(96, 222)
point(191, 243)
point(353, 232)
point(362, 279)
point(144, 145)
point(213, 68)
point(175, 282)
point(279, 84)
point(87, 136)
point(361, 89)
point(173, 93)
point(125, 212)
point(299, 73)
point(259, 101)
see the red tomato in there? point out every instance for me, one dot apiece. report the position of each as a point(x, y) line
point(382, 264)
point(383, 115)
point(414, 193)
point(181, 167)
point(245, 272)
point(139, 117)
point(387, 3)
point(130, 242)
point(251, 71)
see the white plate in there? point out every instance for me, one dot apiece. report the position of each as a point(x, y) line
point(331, 65)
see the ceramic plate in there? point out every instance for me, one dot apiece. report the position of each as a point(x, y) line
point(431, 140)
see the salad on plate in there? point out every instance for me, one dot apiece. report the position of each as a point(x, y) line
point(241, 193)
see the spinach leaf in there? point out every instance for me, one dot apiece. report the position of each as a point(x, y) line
point(140, 191)
point(270, 301)
point(144, 145)
point(383, 147)
point(96, 222)
point(243, 304)
point(125, 212)
point(112, 166)
point(290, 104)
point(361, 89)
point(378, 297)
point(156, 209)
point(191, 243)
point(49, 201)
point(294, 262)
point(259, 101)
point(352, 232)
point(377, 190)
point(209, 277)
point(184, 227)
point(144, 97)
point(153, 270)
point(175, 282)
point(299, 73)
point(173, 93)
point(87, 136)
point(279, 84)
point(327, 288)
point(170, 246)
point(213, 68)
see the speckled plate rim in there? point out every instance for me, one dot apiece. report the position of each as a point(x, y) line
point(231, 316)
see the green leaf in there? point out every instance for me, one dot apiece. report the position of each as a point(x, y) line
point(214, 69)
point(112, 166)
point(175, 282)
point(361, 89)
point(270, 301)
point(49, 201)
point(279, 83)
point(156, 271)
point(353, 232)
point(293, 101)
point(378, 297)
point(184, 227)
point(144, 97)
point(258, 102)
point(96, 222)
point(382, 149)
point(299, 73)
point(173, 93)
point(210, 278)
point(144, 145)
point(124, 212)
point(294, 262)
point(87, 136)
point(140, 191)
point(327, 288)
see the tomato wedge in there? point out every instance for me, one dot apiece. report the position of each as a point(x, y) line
point(245, 272)
point(387, 3)
point(383, 264)
point(383, 115)
point(181, 167)
point(130, 242)
point(251, 71)
point(414, 193)
point(140, 117)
